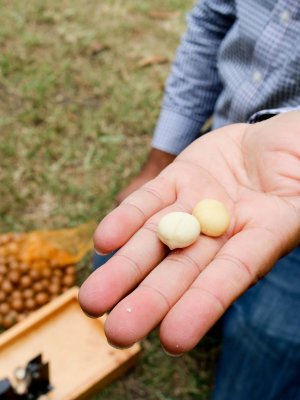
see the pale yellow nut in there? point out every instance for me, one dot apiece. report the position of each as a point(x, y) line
point(178, 230)
point(212, 216)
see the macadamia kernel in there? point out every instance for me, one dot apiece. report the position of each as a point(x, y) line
point(212, 216)
point(178, 230)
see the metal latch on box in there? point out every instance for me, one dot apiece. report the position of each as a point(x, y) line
point(32, 382)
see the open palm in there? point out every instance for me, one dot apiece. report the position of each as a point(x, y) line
point(255, 171)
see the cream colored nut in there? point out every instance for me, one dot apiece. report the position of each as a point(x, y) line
point(178, 230)
point(212, 216)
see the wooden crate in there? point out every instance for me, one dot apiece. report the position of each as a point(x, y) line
point(81, 361)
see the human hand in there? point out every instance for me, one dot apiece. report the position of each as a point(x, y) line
point(255, 171)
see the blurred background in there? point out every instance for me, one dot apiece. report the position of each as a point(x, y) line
point(81, 85)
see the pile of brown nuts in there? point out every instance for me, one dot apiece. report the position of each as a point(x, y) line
point(24, 288)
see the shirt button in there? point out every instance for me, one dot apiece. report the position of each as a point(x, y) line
point(256, 76)
point(285, 16)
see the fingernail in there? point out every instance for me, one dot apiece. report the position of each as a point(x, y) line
point(170, 354)
point(100, 254)
point(93, 316)
point(118, 347)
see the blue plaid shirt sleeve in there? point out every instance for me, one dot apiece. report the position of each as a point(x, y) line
point(239, 61)
point(194, 83)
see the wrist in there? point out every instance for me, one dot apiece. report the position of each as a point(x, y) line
point(158, 160)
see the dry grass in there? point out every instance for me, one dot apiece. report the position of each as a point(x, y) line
point(77, 111)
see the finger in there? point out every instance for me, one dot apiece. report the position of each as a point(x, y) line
point(235, 268)
point(108, 284)
point(118, 226)
point(126, 269)
point(144, 308)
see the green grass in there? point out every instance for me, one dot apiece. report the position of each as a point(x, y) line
point(76, 117)
point(76, 122)
point(161, 377)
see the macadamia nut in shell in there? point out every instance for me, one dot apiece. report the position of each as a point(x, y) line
point(178, 230)
point(212, 216)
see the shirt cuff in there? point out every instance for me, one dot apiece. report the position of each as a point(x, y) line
point(265, 114)
point(174, 132)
